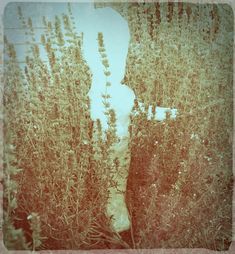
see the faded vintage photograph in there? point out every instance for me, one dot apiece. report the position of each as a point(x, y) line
point(118, 125)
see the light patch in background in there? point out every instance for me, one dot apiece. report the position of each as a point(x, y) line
point(88, 21)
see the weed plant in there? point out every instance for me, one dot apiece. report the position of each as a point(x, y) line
point(179, 189)
point(57, 163)
point(64, 160)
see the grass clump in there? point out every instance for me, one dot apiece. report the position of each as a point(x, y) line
point(62, 187)
point(180, 180)
point(179, 189)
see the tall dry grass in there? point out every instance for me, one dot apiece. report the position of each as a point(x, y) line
point(57, 166)
point(64, 159)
